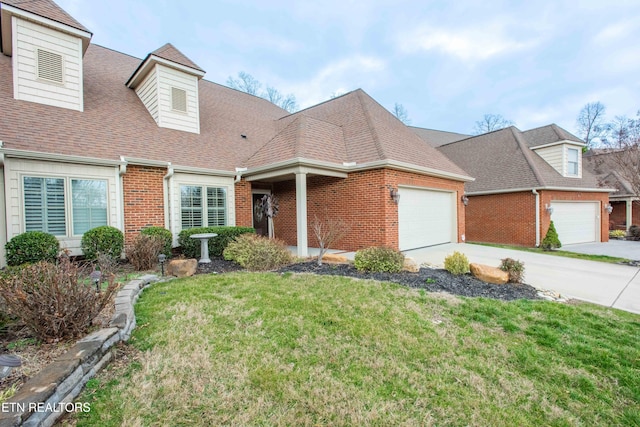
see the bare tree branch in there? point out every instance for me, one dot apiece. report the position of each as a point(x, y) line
point(401, 113)
point(590, 123)
point(327, 232)
point(491, 122)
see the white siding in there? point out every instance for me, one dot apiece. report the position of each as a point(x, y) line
point(15, 169)
point(554, 156)
point(179, 179)
point(148, 93)
point(28, 37)
point(168, 118)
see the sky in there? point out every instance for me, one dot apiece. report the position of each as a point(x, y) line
point(447, 62)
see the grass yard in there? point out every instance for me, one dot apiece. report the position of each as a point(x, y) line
point(559, 252)
point(270, 349)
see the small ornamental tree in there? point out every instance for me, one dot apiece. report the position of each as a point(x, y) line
point(327, 232)
point(551, 240)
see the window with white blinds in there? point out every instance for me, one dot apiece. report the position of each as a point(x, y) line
point(50, 66)
point(203, 206)
point(89, 204)
point(46, 207)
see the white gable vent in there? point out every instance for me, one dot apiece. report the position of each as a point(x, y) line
point(179, 99)
point(50, 66)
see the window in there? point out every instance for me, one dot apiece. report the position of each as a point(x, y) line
point(46, 206)
point(179, 99)
point(572, 161)
point(50, 66)
point(203, 206)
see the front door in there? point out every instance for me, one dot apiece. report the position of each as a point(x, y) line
point(260, 221)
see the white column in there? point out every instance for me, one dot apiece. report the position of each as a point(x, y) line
point(301, 213)
point(629, 213)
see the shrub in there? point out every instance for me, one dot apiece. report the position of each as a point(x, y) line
point(258, 253)
point(379, 259)
point(49, 300)
point(143, 253)
point(191, 247)
point(634, 233)
point(164, 234)
point(456, 263)
point(102, 240)
point(515, 268)
point(551, 240)
point(617, 234)
point(32, 246)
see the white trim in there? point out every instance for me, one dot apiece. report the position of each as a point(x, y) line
point(151, 61)
point(565, 141)
point(53, 157)
point(527, 189)
point(301, 215)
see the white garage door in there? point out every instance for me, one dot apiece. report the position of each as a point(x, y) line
point(576, 222)
point(425, 218)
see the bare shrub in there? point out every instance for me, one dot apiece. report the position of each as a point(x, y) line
point(51, 301)
point(143, 253)
point(327, 232)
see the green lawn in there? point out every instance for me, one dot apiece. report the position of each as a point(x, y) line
point(558, 252)
point(268, 349)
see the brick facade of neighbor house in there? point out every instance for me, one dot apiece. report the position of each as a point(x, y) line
point(362, 200)
point(244, 216)
point(618, 217)
point(546, 197)
point(143, 199)
point(509, 218)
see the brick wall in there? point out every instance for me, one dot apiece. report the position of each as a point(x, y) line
point(547, 196)
point(618, 218)
point(362, 199)
point(502, 218)
point(143, 199)
point(511, 218)
point(244, 217)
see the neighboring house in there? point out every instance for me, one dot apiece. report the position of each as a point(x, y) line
point(91, 137)
point(626, 213)
point(523, 181)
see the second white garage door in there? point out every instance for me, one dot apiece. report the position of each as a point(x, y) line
point(425, 218)
point(576, 222)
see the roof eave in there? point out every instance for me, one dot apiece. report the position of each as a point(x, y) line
point(549, 188)
point(150, 61)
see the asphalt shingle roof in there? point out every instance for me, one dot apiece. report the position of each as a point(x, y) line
point(436, 138)
point(46, 9)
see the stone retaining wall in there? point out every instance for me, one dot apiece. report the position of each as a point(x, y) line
point(50, 393)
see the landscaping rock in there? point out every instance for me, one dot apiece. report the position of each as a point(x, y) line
point(410, 265)
point(182, 267)
point(489, 274)
point(334, 259)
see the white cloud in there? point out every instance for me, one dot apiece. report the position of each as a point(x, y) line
point(615, 32)
point(468, 44)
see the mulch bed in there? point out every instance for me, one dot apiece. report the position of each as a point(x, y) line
point(432, 280)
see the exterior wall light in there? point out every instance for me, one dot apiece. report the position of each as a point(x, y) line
point(395, 196)
point(549, 209)
point(608, 208)
point(465, 200)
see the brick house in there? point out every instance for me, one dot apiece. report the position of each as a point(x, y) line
point(91, 137)
point(523, 181)
point(625, 202)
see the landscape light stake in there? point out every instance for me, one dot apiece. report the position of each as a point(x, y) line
point(162, 258)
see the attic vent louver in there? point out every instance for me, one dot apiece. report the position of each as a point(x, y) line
point(179, 99)
point(50, 66)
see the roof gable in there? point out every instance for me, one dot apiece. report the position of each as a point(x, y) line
point(549, 135)
point(166, 55)
point(46, 9)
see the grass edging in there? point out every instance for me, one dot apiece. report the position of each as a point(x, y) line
point(48, 395)
point(556, 252)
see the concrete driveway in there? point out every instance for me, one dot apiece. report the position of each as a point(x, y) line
point(616, 248)
point(601, 283)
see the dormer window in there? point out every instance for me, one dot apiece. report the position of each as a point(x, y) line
point(179, 100)
point(50, 66)
point(572, 161)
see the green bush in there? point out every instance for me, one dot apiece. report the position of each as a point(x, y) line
point(164, 234)
point(456, 263)
point(105, 240)
point(551, 240)
point(515, 268)
point(258, 253)
point(379, 259)
point(30, 247)
point(191, 247)
point(617, 234)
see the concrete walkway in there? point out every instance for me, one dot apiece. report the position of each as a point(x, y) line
point(615, 248)
point(601, 283)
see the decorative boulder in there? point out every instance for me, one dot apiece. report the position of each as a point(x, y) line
point(410, 265)
point(334, 259)
point(489, 274)
point(182, 267)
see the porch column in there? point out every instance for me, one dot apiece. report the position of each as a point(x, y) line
point(629, 213)
point(301, 213)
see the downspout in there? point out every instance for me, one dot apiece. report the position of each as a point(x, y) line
point(166, 187)
point(122, 170)
point(534, 191)
point(239, 175)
